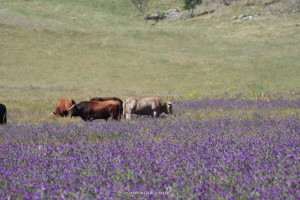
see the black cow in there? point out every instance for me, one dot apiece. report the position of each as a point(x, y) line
point(3, 114)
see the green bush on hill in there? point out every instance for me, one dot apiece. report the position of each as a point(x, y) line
point(191, 5)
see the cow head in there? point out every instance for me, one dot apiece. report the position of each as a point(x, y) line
point(73, 111)
point(169, 108)
point(54, 113)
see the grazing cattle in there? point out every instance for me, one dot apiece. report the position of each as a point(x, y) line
point(62, 107)
point(90, 110)
point(108, 99)
point(148, 106)
point(3, 114)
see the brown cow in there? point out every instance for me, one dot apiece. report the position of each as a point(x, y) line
point(108, 99)
point(62, 107)
point(90, 110)
point(148, 106)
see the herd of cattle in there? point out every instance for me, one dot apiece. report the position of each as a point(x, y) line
point(106, 107)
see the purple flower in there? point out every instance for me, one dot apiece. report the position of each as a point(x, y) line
point(174, 157)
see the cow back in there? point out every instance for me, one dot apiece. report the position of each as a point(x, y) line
point(106, 99)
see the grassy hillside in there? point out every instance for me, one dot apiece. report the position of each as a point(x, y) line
point(81, 49)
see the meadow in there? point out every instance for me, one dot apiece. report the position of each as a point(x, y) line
point(237, 156)
point(235, 86)
point(82, 49)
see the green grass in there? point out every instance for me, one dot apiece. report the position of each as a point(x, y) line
point(81, 49)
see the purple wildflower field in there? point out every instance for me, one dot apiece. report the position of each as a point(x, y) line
point(173, 157)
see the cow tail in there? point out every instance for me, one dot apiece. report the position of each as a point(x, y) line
point(120, 111)
point(124, 109)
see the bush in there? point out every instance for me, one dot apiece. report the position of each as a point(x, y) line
point(141, 6)
point(191, 5)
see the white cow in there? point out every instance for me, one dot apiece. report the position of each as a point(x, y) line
point(147, 106)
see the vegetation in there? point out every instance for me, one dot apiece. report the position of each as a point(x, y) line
point(141, 6)
point(81, 49)
point(191, 5)
point(234, 156)
point(233, 75)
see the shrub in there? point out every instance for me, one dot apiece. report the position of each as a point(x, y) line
point(191, 5)
point(141, 6)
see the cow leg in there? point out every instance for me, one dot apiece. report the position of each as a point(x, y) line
point(115, 117)
point(155, 114)
point(65, 113)
point(84, 118)
point(91, 118)
point(128, 116)
point(4, 118)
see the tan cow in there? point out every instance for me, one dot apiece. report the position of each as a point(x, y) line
point(150, 106)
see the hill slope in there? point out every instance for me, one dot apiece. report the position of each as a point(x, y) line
point(79, 49)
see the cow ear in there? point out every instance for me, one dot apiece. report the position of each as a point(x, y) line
point(169, 103)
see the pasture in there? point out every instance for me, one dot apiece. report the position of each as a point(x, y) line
point(235, 137)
